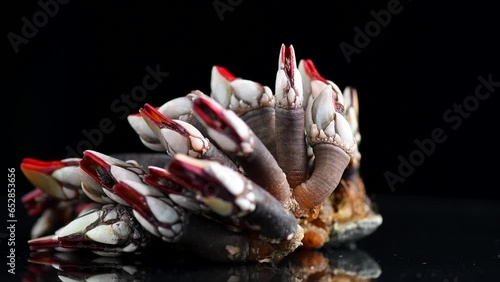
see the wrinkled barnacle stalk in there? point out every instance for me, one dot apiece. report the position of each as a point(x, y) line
point(330, 136)
point(347, 214)
point(354, 213)
point(291, 146)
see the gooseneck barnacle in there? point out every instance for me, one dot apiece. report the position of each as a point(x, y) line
point(241, 174)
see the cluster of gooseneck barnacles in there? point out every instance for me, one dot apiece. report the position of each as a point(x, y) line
point(241, 174)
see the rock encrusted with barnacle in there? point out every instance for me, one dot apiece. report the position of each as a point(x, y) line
point(248, 175)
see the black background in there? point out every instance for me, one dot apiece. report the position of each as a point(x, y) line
point(424, 61)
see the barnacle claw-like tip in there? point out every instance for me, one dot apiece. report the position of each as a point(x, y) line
point(146, 135)
point(224, 72)
point(188, 169)
point(220, 85)
point(59, 179)
point(168, 183)
point(176, 136)
point(309, 76)
point(314, 84)
point(138, 124)
point(42, 243)
point(96, 165)
point(309, 69)
point(219, 188)
point(209, 112)
point(46, 167)
point(163, 126)
point(288, 87)
point(180, 108)
point(224, 126)
point(163, 180)
point(99, 173)
point(150, 113)
point(287, 60)
point(193, 172)
point(237, 94)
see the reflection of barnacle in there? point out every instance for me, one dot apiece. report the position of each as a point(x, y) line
point(332, 265)
point(71, 267)
point(249, 176)
point(303, 265)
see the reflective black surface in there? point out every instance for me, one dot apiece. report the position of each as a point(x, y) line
point(432, 239)
point(421, 239)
